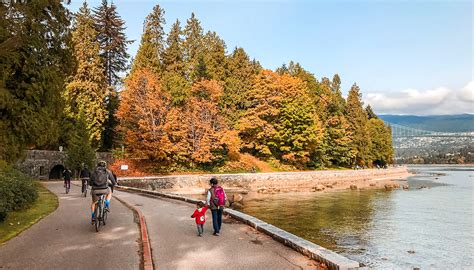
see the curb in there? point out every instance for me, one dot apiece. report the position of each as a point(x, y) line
point(147, 258)
point(146, 255)
point(332, 259)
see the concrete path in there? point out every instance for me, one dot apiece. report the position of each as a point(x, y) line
point(66, 239)
point(175, 244)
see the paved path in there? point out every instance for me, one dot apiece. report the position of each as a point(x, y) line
point(66, 239)
point(175, 244)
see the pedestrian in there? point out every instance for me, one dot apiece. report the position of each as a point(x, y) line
point(216, 199)
point(200, 216)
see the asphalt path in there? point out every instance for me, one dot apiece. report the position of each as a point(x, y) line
point(175, 244)
point(66, 239)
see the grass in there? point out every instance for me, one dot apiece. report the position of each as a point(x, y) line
point(21, 220)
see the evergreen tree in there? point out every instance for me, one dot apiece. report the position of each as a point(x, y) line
point(174, 56)
point(381, 142)
point(214, 55)
point(200, 72)
point(113, 50)
point(239, 78)
point(193, 44)
point(152, 45)
point(370, 112)
point(113, 41)
point(35, 59)
point(87, 91)
point(357, 118)
point(79, 150)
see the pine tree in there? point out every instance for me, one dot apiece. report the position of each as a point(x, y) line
point(87, 91)
point(193, 44)
point(113, 50)
point(370, 112)
point(240, 72)
point(174, 56)
point(214, 55)
point(152, 45)
point(35, 59)
point(79, 150)
point(357, 118)
point(381, 142)
point(113, 41)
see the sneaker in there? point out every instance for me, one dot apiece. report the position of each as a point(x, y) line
point(200, 235)
point(217, 234)
point(92, 221)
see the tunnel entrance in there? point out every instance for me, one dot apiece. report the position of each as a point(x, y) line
point(56, 172)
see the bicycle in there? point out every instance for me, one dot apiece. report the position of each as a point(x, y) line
point(84, 187)
point(67, 185)
point(100, 212)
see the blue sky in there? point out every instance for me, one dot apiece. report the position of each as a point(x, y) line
point(397, 51)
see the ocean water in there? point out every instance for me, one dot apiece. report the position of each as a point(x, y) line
point(426, 228)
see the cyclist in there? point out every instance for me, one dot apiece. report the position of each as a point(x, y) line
point(99, 182)
point(85, 175)
point(67, 174)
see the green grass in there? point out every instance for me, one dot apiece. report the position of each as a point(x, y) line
point(21, 220)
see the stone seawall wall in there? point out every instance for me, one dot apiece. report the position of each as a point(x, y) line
point(282, 181)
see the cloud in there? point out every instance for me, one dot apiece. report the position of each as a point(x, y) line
point(413, 101)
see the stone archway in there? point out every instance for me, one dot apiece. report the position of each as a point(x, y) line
point(56, 172)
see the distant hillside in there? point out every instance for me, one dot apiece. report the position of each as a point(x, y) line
point(441, 123)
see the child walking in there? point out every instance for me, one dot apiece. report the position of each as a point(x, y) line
point(200, 216)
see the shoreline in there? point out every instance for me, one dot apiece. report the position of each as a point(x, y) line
point(275, 182)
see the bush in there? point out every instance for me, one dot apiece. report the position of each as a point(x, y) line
point(17, 191)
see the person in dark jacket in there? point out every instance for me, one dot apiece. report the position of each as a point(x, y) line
point(85, 175)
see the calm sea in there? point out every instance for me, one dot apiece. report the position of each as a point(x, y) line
point(429, 228)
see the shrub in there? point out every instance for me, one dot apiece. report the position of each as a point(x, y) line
point(17, 191)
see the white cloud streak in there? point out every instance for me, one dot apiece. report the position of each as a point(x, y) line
point(427, 102)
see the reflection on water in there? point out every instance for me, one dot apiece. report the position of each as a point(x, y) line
point(428, 228)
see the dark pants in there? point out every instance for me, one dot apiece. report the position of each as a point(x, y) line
point(217, 219)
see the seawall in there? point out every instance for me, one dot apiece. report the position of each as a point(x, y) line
point(271, 182)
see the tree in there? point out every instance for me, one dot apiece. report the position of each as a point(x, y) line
point(150, 52)
point(174, 56)
point(79, 150)
point(214, 55)
point(113, 41)
point(370, 112)
point(35, 59)
point(87, 91)
point(193, 44)
point(280, 122)
point(240, 72)
point(209, 141)
point(143, 114)
point(113, 50)
point(381, 142)
point(357, 118)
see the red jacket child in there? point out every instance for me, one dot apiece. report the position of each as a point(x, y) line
point(200, 214)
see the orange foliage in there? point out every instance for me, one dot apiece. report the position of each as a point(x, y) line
point(143, 114)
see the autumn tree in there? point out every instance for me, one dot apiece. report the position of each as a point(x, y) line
point(209, 139)
point(152, 44)
point(87, 91)
point(143, 114)
point(35, 59)
point(280, 122)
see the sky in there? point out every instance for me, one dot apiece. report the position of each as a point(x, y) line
point(408, 57)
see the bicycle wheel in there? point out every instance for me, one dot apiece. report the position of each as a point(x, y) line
point(97, 218)
point(67, 188)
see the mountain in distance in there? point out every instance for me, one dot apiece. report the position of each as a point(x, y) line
point(440, 123)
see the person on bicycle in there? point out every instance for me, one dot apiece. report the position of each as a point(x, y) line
point(85, 175)
point(67, 175)
point(99, 181)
